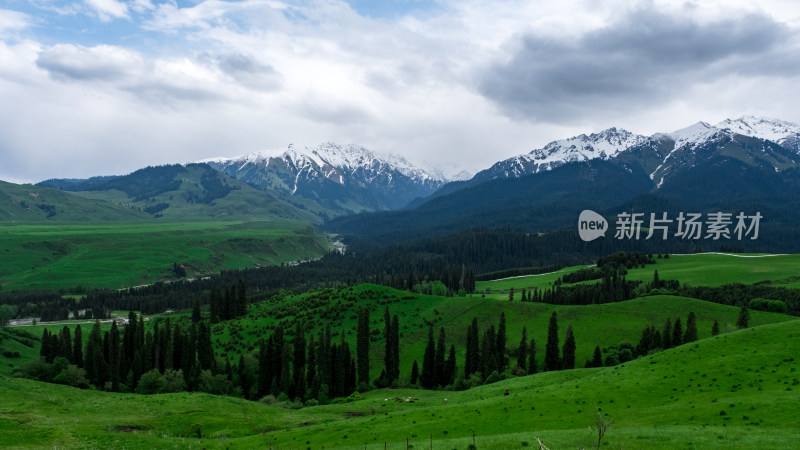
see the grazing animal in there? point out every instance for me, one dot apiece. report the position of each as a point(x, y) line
point(444, 401)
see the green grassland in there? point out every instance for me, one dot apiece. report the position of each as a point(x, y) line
point(735, 390)
point(696, 270)
point(55, 256)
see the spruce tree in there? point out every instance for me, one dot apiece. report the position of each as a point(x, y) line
point(205, 349)
point(264, 374)
point(691, 329)
point(215, 305)
point(428, 361)
point(299, 362)
point(244, 379)
point(439, 361)
point(666, 335)
point(114, 357)
point(743, 321)
point(388, 358)
point(715, 328)
point(395, 349)
point(522, 350)
point(94, 361)
point(472, 360)
point(285, 378)
point(450, 366)
point(362, 346)
point(551, 352)
point(414, 373)
point(311, 370)
point(500, 344)
point(488, 352)
point(568, 355)
point(77, 347)
point(196, 311)
point(532, 366)
point(597, 358)
point(677, 333)
point(65, 344)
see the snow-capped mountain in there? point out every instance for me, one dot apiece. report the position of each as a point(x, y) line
point(771, 129)
point(604, 145)
point(656, 153)
point(343, 178)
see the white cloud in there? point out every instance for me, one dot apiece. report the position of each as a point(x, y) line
point(108, 10)
point(11, 21)
point(226, 78)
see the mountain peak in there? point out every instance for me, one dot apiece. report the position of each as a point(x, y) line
point(761, 127)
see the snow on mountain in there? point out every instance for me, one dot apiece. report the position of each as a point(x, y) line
point(367, 179)
point(613, 142)
point(605, 144)
point(761, 127)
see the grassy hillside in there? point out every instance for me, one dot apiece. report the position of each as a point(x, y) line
point(23, 203)
point(135, 253)
point(196, 192)
point(736, 390)
point(604, 325)
point(697, 270)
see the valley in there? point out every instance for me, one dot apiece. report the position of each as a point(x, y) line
point(334, 297)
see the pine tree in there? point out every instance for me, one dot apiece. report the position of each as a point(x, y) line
point(715, 328)
point(77, 347)
point(362, 346)
point(551, 352)
point(522, 350)
point(428, 361)
point(597, 358)
point(568, 355)
point(488, 354)
point(414, 372)
point(691, 329)
point(743, 321)
point(656, 282)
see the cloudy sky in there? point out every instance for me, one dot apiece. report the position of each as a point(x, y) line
point(100, 87)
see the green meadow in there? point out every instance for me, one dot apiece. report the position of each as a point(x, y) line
point(696, 270)
point(63, 256)
point(735, 390)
